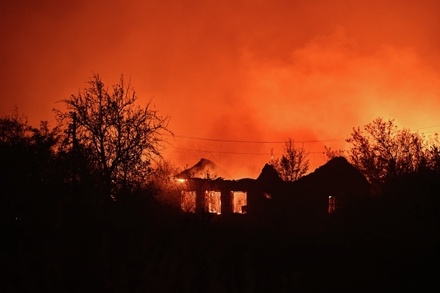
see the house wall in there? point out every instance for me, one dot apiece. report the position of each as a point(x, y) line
point(226, 187)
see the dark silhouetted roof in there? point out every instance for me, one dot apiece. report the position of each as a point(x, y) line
point(202, 169)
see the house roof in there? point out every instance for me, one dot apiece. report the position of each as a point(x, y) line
point(336, 174)
point(203, 169)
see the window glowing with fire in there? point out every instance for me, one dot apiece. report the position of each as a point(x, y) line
point(213, 201)
point(331, 204)
point(239, 202)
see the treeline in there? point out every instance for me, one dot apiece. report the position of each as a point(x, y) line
point(403, 168)
point(100, 150)
point(383, 152)
point(32, 175)
point(63, 231)
point(78, 212)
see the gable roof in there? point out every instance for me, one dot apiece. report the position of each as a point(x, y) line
point(202, 169)
point(338, 169)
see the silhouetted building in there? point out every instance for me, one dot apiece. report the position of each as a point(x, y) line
point(335, 186)
point(220, 196)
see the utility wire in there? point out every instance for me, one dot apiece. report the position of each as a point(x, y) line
point(255, 141)
point(432, 126)
point(233, 153)
point(261, 142)
point(273, 142)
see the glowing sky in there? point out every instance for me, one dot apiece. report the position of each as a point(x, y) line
point(261, 71)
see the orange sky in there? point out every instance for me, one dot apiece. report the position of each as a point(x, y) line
point(260, 71)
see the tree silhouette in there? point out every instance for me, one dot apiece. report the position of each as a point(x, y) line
point(120, 137)
point(331, 153)
point(293, 163)
point(27, 171)
point(433, 154)
point(381, 151)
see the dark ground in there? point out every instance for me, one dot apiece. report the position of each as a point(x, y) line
point(144, 247)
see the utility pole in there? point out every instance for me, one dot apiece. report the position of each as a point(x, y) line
point(75, 166)
point(74, 140)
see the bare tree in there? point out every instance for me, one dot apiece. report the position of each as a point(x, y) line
point(293, 163)
point(331, 153)
point(432, 154)
point(121, 137)
point(163, 182)
point(14, 128)
point(382, 151)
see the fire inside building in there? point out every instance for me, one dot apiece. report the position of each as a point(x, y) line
point(336, 185)
point(217, 196)
point(212, 201)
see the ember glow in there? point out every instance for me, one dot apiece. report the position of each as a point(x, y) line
point(239, 202)
point(213, 201)
point(237, 78)
point(331, 204)
point(180, 180)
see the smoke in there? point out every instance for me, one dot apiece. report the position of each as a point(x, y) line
point(316, 96)
point(249, 74)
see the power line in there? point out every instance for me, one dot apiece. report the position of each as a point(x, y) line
point(233, 153)
point(222, 152)
point(259, 142)
point(255, 141)
point(432, 126)
point(431, 132)
point(272, 142)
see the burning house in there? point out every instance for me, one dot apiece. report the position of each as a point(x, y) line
point(202, 190)
point(334, 186)
point(219, 196)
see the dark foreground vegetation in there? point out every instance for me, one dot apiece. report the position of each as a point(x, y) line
point(139, 245)
point(62, 232)
point(79, 213)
